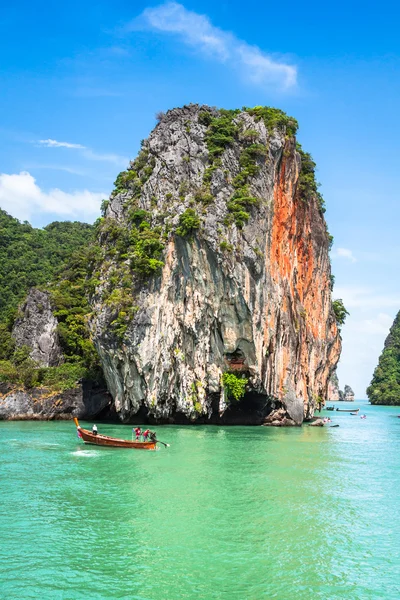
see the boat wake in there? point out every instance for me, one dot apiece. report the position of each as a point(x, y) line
point(88, 453)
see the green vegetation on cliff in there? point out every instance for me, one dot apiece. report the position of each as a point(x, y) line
point(340, 311)
point(71, 308)
point(308, 184)
point(234, 386)
point(385, 385)
point(222, 131)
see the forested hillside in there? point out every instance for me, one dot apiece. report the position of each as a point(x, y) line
point(31, 257)
point(54, 259)
point(385, 384)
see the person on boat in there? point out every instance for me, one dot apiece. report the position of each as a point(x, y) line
point(138, 433)
point(153, 436)
point(94, 429)
point(146, 435)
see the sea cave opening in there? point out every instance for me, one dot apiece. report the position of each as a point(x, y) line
point(249, 410)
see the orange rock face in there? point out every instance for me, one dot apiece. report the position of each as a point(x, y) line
point(303, 329)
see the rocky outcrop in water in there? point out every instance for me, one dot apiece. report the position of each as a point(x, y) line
point(214, 261)
point(348, 394)
point(36, 327)
point(333, 388)
point(85, 401)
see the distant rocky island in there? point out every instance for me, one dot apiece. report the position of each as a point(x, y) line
point(202, 295)
point(385, 385)
point(337, 395)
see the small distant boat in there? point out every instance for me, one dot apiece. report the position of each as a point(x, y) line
point(330, 408)
point(354, 411)
point(105, 440)
point(337, 425)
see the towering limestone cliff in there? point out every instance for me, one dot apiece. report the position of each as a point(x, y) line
point(211, 292)
point(385, 385)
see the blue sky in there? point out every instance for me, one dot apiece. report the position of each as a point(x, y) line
point(82, 81)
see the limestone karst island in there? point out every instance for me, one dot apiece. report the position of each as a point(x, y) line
point(199, 301)
point(203, 294)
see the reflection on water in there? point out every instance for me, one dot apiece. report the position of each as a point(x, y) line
point(240, 512)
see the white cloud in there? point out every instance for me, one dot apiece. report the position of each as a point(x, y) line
point(197, 31)
point(86, 152)
point(344, 253)
point(23, 198)
point(55, 144)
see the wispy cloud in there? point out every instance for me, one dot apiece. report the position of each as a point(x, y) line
point(197, 31)
point(113, 158)
point(344, 253)
point(55, 144)
point(88, 153)
point(366, 298)
point(23, 198)
point(72, 170)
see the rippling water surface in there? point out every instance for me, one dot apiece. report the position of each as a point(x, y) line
point(235, 513)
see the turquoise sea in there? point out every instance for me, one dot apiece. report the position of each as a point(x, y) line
point(225, 512)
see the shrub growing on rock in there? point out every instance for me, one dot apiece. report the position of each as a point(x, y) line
point(189, 221)
point(234, 386)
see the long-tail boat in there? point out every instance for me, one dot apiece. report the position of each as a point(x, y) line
point(350, 410)
point(97, 439)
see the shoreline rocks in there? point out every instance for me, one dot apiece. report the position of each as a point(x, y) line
point(86, 401)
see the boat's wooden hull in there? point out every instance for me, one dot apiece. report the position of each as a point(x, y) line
point(105, 440)
point(348, 410)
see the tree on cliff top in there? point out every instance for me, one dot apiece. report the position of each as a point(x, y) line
point(385, 385)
